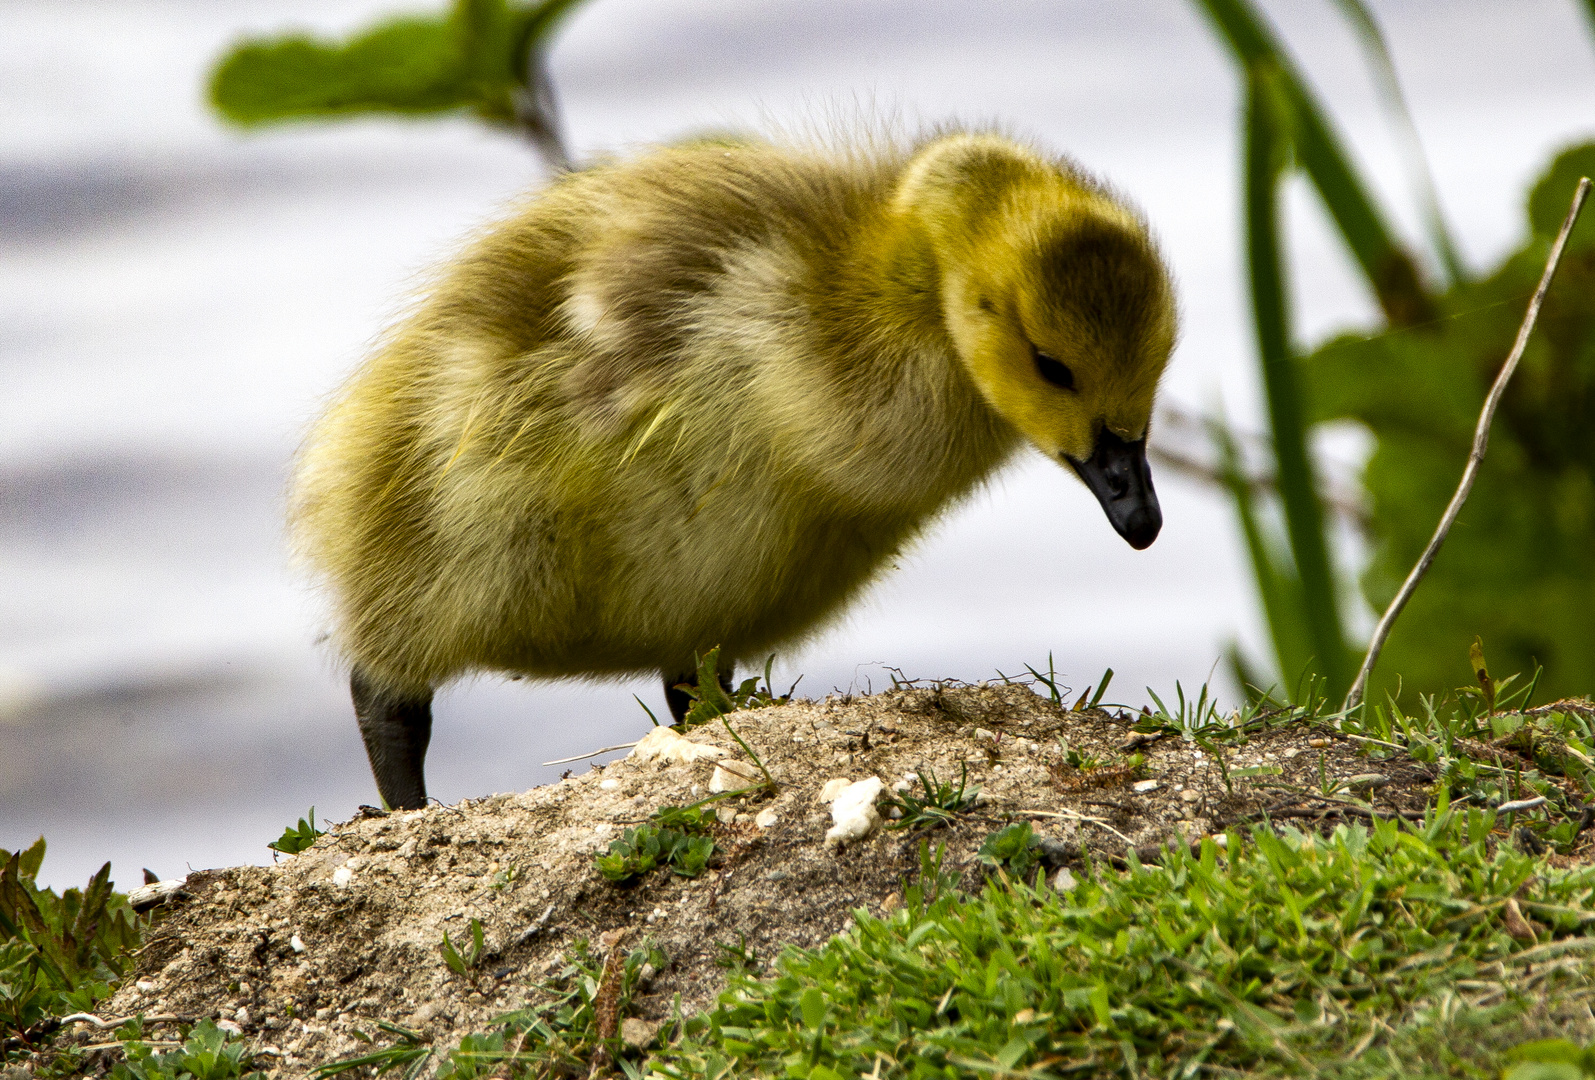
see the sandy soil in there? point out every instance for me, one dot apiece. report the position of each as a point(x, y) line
point(300, 953)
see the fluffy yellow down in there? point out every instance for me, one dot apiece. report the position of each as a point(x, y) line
point(703, 396)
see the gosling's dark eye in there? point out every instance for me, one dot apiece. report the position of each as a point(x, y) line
point(1054, 371)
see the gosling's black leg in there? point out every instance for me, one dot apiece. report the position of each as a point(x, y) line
point(396, 731)
point(678, 700)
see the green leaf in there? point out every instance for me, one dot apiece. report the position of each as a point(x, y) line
point(1012, 1051)
point(475, 57)
point(1544, 1070)
point(297, 838)
point(813, 1006)
point(1553, 192)
point(31, 859)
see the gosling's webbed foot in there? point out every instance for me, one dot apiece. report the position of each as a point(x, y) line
point(396, 731)
point(679, 701)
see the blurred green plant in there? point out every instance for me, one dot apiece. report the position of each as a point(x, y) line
point(1519, 570)
point(481, 56)
point(1285, 128)
point(58, 954)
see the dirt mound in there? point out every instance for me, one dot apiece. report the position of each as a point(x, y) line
point(300, 954)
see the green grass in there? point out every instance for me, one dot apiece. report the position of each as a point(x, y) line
point(1290, 953)
point(1449, 947)
point(938, 802)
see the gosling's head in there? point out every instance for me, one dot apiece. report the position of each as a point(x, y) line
point(1059, 307)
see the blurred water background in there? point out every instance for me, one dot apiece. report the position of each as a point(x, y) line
point(176, 299)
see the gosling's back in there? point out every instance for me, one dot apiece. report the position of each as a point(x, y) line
point(692, 399)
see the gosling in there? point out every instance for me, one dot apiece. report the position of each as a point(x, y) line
point(703, 396)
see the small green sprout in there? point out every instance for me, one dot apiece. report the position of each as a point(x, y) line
point(939, 805)
point(297, 838)
point(462, 963)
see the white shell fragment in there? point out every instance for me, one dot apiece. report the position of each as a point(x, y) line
point(297, 942)
point(669, 746)
point(833, 787)
point(732, 776)
point(342, 876)
point(148, 896)
point(854, 813)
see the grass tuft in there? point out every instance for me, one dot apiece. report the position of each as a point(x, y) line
point(1292, 951)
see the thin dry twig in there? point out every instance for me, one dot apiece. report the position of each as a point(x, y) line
point(590, 754)
point(1481, 441)
point(116, 1022)
point(1076, 816)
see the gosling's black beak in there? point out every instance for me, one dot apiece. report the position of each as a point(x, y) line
point(1118, 476)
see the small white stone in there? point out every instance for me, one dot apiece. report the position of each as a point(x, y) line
point(854, 813)
point(667, 745)
point(609, 785)
point(1190, 794)
point(833, 787)
point(1293, 751)
point(1063, 881)
point(297, 942)
point(145, 986)
point(602, 828)
point(983, 733)
point(1141, 787)
point(725, 815)
point(342, 876)
point(241, 1016)
point(1220, 840)
point(766, 817)
point(229, 1026)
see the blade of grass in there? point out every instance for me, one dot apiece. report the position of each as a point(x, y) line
point(1277, 584)
point(1265, 153)
point(1417, 164)
point(1385, 264)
